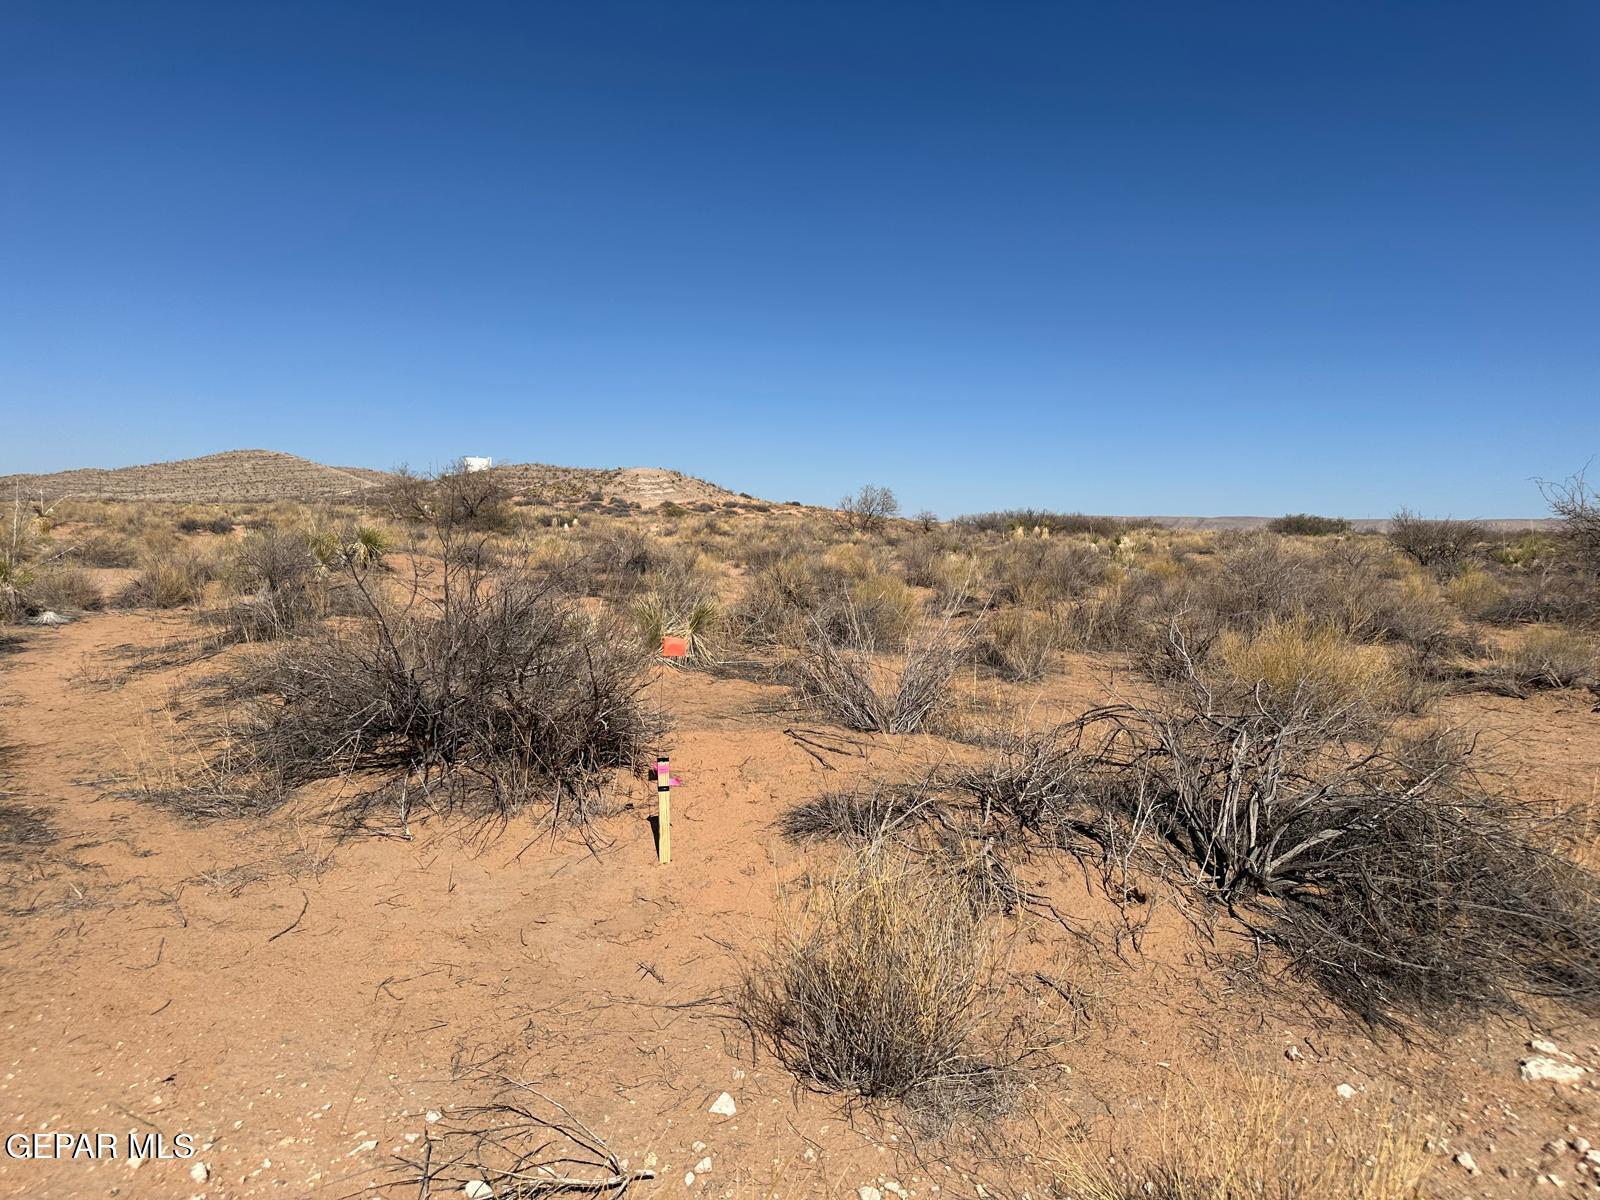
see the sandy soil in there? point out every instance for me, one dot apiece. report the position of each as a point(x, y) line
point(300, 1001)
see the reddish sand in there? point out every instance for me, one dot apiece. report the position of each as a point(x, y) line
point(298, 1000)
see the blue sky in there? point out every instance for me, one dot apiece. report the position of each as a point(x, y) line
point(1134, 258)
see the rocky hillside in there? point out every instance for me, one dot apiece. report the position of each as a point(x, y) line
point(232, 476)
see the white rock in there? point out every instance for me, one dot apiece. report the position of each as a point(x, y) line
point(433, 1115)
point(362, 1148)
point(1556, 1147)
point(703, 1165)
point(135, 1162)
point(1544, 1047)
point(1580, 1145)
point(893, 1185)
point(1592, 1157)
point(477, 1189)
point(1466, 1162)
point(688, 1179)
point(1345, 1091)
point(868, 1192)
point(1540, 1069)
point(724, 1106)
point(199, 1172)
point(1292, 1053)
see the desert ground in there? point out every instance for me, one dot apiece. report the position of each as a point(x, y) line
point(1023, 856)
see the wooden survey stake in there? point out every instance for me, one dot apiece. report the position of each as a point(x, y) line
point(663, 810)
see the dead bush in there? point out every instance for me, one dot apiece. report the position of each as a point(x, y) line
point(883, 984)
point(1392, 875)
point(497, 692)
point(841, 677)
point(1441, 546)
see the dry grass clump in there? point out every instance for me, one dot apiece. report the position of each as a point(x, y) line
point(498, 690)
point(1021, 644)
point(843, 679)
point(104, 548)
point(63, 587)
point(857, 814)
point(172, 580)
point(1251, 1139)
point(786, 601)
point(883, 984)
point(1544, 658)
point(1044, 571)
point(1293, 666)
point(1393, 876)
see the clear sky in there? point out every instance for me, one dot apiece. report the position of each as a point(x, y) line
point(1149, 257)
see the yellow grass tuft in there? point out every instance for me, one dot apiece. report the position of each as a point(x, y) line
point(1255, 1138)
point(1295, 663)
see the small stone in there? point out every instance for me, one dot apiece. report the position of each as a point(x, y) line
point(868, 1192)
point(1292, 1053)
point(724, 1106)
point(432, 1115)
point(893, 1185)
point(1543, 1046)
point(477, 1189)
point(650, 1159)
point(135, 1162)
point(1580, 1145)
point(1556, 1147)
point(688, 1179)
point(703, 1165)
point(1540, 1069)
point(1345, 1091)
point(1466, 1162)
point(199, 1172)
point(1592, 1157)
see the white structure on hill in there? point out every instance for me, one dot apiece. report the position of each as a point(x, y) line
point(473, 463)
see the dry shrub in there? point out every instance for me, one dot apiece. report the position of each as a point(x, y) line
point(1544, 658)
point(171, 580)
point(1291, 666)
point(841, 678)
point(104, 548)
point(1476, 592)
point(1021, 644)
point(499, 692)
point(1045, 571)
point(886, 608)
point(1394, 876)
point(1251, 1139)
point(883, 984)
point(857, 814)
point(62, 586)
point(1440, 546)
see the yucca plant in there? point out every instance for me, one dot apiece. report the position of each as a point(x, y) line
point(696, 620)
